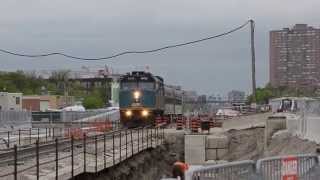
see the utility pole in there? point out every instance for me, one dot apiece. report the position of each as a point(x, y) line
point(253, 64)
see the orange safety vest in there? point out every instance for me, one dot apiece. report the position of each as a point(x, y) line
point(183, 166)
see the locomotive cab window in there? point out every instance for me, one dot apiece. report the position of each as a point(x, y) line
point(146, 85)
point(128, 85)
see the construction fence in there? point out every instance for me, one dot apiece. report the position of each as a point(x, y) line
point(299, 167)
point(28, 136)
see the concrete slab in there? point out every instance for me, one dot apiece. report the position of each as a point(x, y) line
point(195, 149)
point(213, 154)
point(217, 141)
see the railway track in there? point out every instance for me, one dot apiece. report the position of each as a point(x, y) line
point(24, 153)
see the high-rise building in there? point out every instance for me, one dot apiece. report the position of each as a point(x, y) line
point(295, 57)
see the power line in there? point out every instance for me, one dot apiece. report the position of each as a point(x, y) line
point(125, 52)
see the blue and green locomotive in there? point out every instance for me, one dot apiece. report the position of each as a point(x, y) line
point(141, 98)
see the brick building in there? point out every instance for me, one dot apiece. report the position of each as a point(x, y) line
point(295, 57)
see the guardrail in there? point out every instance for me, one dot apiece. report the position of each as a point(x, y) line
point(90, 154)
point(298, 167)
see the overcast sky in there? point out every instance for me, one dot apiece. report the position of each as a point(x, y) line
point(95, 28)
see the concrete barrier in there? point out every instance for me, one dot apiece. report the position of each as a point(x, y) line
point(195, 149)
point(216, 146)
point(274, 123)
point(306, 122)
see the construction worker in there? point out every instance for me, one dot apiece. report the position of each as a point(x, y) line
point(178, 170)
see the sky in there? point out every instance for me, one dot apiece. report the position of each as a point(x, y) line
point(99, 28)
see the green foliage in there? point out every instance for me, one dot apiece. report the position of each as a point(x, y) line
point(92, 102)
point(264, 94)
point(58, 84)
point(20, 82)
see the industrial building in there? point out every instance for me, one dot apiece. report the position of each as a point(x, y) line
point(10, 101)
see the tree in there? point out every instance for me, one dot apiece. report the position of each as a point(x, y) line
point(262, 96)
point(92, 102)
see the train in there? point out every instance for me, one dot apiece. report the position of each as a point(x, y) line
point(144, 96)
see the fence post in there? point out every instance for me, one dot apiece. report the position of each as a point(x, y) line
point(104, 151)
point(157, 136)
point(138, 140)
point(151, 137)
point(131, 143)
point(37, 158)
point(19, 134)
point(15, 173)
point(147, 138)
point(162, 135)
point(113, 153)
point(46, 134)
point(126, 144)
point(53, 132)
point(120, 145)
point(8, 139)
point(72, 158)
point(84, 153)
point(57, 158)
point(30, 133)
point(142, 140)
point(38, 133)
point(96, 152)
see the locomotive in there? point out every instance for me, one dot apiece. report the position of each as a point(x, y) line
point(143, 96)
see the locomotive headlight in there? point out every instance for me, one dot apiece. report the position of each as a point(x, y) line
point(144, 113)
point(136, 95)
point(128, 113)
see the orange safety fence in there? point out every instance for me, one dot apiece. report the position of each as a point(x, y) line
point(78, 133)
point(179, 123)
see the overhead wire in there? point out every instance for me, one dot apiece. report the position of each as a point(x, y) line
point(125, 52)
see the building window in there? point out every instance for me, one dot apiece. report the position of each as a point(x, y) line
point(17, 100)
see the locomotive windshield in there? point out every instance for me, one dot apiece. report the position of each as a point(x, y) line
point(146, 85)
point(128, 85)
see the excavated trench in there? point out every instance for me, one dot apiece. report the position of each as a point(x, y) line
point(154, 164)
point(151, 164)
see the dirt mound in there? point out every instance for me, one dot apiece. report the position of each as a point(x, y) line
point(249, 144)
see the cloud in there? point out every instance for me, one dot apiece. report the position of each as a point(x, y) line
point(99, 28)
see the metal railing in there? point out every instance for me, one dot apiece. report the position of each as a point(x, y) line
point(243, 170)
point(67, 158)
point(298, 167)
point(67, 116)
point(28, 136)
point(274, 168)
